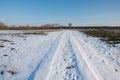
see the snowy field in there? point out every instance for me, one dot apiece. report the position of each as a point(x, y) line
point(56, 55)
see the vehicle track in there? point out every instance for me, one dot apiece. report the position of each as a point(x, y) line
point(68, 59)
point(95, 62)
point(65, 63)
point(83, 52)
point(36, 74)
point(63, 60)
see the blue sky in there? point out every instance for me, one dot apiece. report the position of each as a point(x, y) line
point(78, 12)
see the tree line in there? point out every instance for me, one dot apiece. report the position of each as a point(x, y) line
point(56, 26)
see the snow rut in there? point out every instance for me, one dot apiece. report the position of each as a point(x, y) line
point(64, 65)
point(99, 65)
point(83, 54)
point(38, 72)
point(66, 60)
point(70, 61)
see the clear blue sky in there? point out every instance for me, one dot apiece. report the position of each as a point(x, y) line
point(78, 12)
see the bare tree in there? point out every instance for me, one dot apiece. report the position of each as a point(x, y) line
point(69, 24)
point(2, 24)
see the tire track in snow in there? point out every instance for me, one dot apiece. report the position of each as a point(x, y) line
point(64, 63)
point(84, 56)
point(75, 60)
point(35, 74)
point(104, 69)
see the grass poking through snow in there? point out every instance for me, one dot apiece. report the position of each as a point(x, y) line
point(110, 36)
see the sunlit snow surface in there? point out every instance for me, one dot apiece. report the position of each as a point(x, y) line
point(56, 55)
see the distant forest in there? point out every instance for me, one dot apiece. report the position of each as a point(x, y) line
point(54, 26)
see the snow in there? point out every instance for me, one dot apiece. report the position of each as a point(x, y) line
point(59, 55)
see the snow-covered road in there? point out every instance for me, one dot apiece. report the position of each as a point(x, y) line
point(62, 55)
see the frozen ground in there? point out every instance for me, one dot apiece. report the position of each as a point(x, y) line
point(61, 55)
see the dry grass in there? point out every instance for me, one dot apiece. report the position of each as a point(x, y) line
point(36, 33)
point(110, 36)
